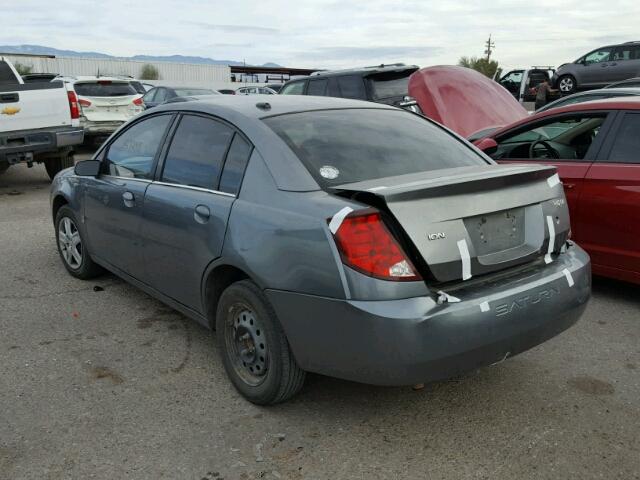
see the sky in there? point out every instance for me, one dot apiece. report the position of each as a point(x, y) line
point(326, 33)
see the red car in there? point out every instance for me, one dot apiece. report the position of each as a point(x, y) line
point(596, 149)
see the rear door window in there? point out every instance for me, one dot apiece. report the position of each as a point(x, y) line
point(345, 146)
point(150, 95)
point(133, 152)
point(317, 87)
point(626, 146)
point(235, 164)
point(104, 88)
point(352, 86)
point(197, 152)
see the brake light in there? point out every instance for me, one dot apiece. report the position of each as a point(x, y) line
point(73, 105)
point(138, 102)
point(84, 103)
point(366, 245)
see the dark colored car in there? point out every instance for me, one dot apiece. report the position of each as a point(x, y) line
point(629, 83)
point(159, 95)
point(595, 147)
point(599, 68)
point(591, 95)
point(388, 84)
point(227, 91)
point(333, 236)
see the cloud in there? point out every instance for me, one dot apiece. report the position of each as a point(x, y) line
point(368, 53)
point(234, 28)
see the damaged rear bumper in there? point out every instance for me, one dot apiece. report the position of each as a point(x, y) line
point(415, 340)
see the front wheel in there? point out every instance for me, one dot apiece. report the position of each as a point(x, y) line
point(57, 164)
point(72, 248)
point(255, 351)
point(567, 84)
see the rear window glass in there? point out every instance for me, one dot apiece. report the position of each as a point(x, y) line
point(104, 89)
point(187, 92)
point(345, 146)
point(6, 74)
point(389, 87)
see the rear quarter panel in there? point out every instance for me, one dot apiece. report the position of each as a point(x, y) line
point(37, 107)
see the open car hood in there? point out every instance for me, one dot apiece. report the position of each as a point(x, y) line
point(463, 100)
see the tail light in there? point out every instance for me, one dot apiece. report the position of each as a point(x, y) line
point(73, 105)
point(84, 103)
point(138, 102)
point(366, 245)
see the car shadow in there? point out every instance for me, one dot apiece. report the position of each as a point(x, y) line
point(616, 290)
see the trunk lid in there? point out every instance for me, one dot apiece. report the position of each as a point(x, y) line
point(470, 221)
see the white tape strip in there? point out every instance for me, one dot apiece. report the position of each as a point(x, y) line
point(375, 189)
point(337, 219)
point(552, 238)
point(553, 180)
point(466, 259)
point(567, 274)
point(484, 307)
point(445, 296)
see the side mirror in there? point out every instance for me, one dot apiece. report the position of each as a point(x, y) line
point(87, 168)
point(488, 145)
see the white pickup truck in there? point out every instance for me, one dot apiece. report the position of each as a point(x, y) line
point(39, 122)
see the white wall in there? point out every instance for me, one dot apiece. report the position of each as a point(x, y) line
point(180, 74)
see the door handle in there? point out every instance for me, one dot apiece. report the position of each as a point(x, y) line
point(128, 199)
point(568, 186)
point(201, 214)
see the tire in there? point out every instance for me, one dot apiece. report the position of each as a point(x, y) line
point(55, 165)
point(4, 167)
point(244, 321)
point(567, 84)
point(79, 265)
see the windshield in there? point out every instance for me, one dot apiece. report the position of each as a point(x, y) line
point(553, 131)
point(104, 88)
point(390, 85)
point(345, 146)
point(188, 92)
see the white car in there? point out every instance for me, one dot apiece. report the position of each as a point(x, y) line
point(255, 91)
point(39, 122)
point(105, 103)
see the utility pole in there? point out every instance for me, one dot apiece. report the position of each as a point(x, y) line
point(489, 48)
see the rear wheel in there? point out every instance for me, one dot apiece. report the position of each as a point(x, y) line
point(567, 84)
point(72, 248)
point(57, 164)
point(3, 167)
point(254, 348)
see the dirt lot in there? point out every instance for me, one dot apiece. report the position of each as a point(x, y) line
point(111, 384)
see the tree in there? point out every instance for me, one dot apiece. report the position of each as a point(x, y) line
point(23, 69)
point(149, 72)
point(488, 68)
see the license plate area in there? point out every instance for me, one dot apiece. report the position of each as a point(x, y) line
point(497, 231)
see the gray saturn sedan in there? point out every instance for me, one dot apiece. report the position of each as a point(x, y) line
point(326, 235)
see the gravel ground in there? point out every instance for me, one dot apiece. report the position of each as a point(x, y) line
point(109, 383)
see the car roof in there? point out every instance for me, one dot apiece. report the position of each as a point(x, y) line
point(91, 78)
point(252, 106)
point(360, 71)
point(619, 103)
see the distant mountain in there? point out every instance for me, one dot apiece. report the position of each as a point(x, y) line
point(42, 50)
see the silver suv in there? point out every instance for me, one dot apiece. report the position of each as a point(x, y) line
point(599, 68)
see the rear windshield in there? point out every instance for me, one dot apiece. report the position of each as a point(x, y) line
point(390, 85)
point(6, 74)
point(104, 88)
point(188, 92)
point(345, 146)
